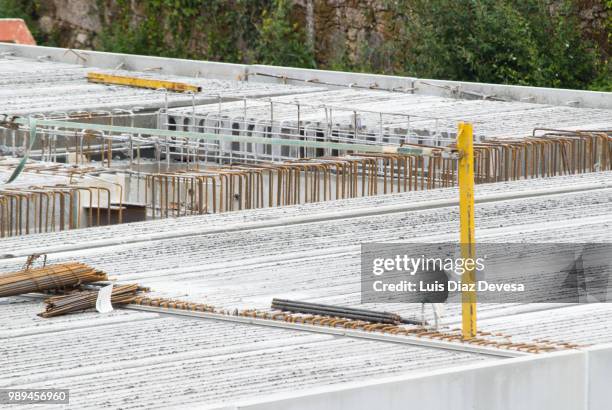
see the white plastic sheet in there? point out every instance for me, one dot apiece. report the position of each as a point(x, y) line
point(103, 303)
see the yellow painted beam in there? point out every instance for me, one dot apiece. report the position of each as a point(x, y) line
point(141, 82)
point(465, 145)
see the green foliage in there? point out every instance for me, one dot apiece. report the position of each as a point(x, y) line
point(603, 82)
point(20, 9)
point(122, 36)
point(282, 42)
point(564, 58)
point(500, 41)
point(512, 41)
point(217, 30)
point(485, 41)
point(14, 9)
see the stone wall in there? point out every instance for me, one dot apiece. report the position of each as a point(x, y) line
point(338, 29)
point(72, 23)
point(345, 29)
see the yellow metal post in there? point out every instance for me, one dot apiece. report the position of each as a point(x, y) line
point(465, 145)
point(140, 82)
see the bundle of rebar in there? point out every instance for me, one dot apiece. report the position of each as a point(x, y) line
point(58, 276)
point(83, 300)
point(341, 312)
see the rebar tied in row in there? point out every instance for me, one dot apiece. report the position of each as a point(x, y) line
point(551, 154)
point(39, 209)
point(260, 185)
point(250, 186)
point(496, 340)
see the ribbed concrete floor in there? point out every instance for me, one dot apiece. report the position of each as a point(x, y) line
point(38, 86)
point(416, 113)
point(130, 359)
point(140, 360)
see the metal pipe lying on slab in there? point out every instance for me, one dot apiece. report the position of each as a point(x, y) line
point(344, 312)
